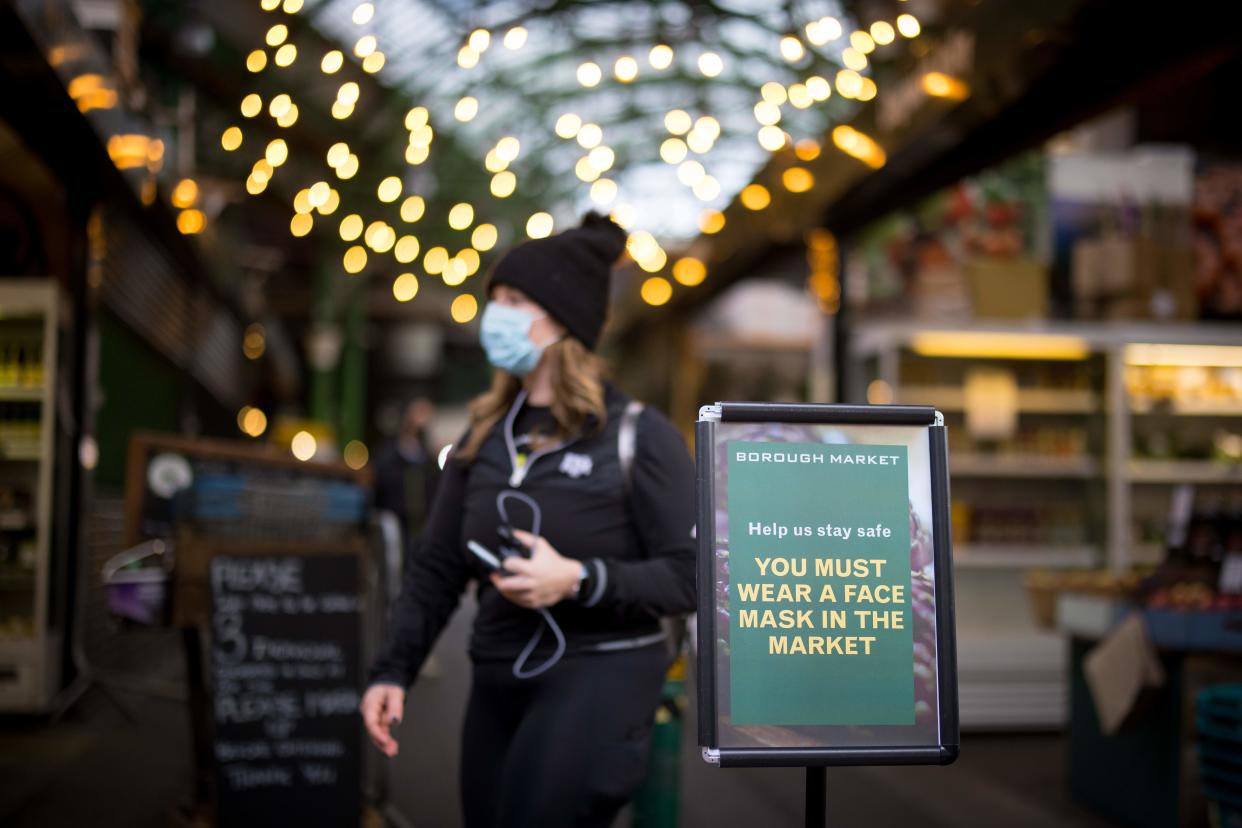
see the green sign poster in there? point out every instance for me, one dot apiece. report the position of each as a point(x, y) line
point(820, 626)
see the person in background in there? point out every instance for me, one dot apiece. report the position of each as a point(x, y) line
point(406, 471)
point(592, 496)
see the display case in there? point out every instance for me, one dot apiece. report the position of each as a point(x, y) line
point(1067, 444)
point(28, 642)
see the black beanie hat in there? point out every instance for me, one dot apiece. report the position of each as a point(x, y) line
point(567, 274)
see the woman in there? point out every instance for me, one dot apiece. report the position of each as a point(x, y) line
point(567, 651)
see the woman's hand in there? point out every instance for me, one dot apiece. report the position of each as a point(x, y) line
point(543, 579)
point(381, 707)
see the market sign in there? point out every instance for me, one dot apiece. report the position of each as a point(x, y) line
point(825, 624)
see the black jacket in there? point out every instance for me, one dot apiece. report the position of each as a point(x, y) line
point(639, 548)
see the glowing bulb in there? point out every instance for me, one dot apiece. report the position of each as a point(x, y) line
point(755, 197)
point(800, 96)
point(351, 227)
point(365, 45)
point(819, 88)
point(590, 136)
point(773, 93)
point(405, 287)
point(231, 139)
point(493, 163)
point(435, 260)
point(466, 109)
point(279, 105)
point(807, 149)
point(355, 259)
point(191, 222)
point(329, 206)
point(464, 308)
point(707, 188)
point(251, 105)
point(384, 240)
point(301, 224)
point(660, 57)
point(374, 62)
point(416, 117)
point(567, 125)
point(355, 454)
point(289, 118)
point(699, 142)
point(348, 168)
point(185, 193)
point(515, 38)
point(412, 209)
point(708, 126)
point(262, 171)
point(539, 226)
point(908, 25)
point(303, 446)
point(406, 249)
point(604, 191)
point(710, 64)
point(849, 83)
point(602, 158)
point(348, 93)
point(711, 221)
point(363, 14)
point(286, 55)
point(479, 40)
point(389, 189)
point(625, 69)
point(677, 122)
point(689, 271)
point(416, 154)
point(792, 49)
point(454, 272)
point(690, 172)
point(337, 154)
point(507, 148)
point(585, 171)
point(318, 193)
point(277, 152)
point(656, 291)
point(254, 186)
point(332, 62)
point(771, 138)
point(868, 91)
point(256, 60)
point(467, 58)
point(253, 421)
point(589, 74)
point(277, 35)
point(829, 28)
point(882, 33)
point(673, 151)
point(623, 215)
point(797, 180)
point(503, 184)
point(484, 237)
point(854, 59)
point(767, 114)
point(862, 42)
point(470, 258)
point(461, 216)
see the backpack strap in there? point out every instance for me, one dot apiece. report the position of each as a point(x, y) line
point(627, 444)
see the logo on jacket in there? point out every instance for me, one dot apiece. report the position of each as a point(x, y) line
point(576, 465)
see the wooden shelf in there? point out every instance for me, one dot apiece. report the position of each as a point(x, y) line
point(20, 394)
point(1024, 556)
point(1022, 466)
point(1030, 400)
point(1184, 471)
point(1188, 408)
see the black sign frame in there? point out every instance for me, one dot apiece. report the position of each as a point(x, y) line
point(942, 555)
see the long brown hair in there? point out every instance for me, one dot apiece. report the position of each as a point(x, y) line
point(578, 398)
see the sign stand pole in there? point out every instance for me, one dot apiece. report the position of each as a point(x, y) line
point(816, 797)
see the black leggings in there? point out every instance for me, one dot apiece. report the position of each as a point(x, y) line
point(568, 748)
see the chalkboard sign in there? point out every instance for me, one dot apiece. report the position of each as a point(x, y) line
point(825, 586)
point(285, 652)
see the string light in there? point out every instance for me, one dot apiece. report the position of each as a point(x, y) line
point(252, 421)
point(454, 272)
point(405, 287)
point(767, 113)
point(797, 179)
point(673, 151)
point(461, 216)
point(389, 189)
point(231, 139)
point(792, 49)
point(348, 168)
point(191, 222)
point(412, 209)
point(771, 138)
point(585, 171)
point(374, 62)
point(862, 42)
point(849, 83)
point(567, 125)
point(859, 145)
point(710, 64)
point(660, 57)
point(854, 59)
point(277, 152)
point(868, 90)
point(469, 257)
point(363, 14)
point(507, 148)
point(707, 188)
point(503, 184)
point(484, 237)
point(589, 74)
point(289, 118)
point(318, 193)
point(479, 40)
point(435, 259)
point(515, 38)
point(301, 224)
point(656, 291)
point(690, 172)
point(467, 58)
point(882, 33)
point(807, 149)
point(185, 193)
point(256, 61)
point(689, 271)
point(276, 35)
point(755, 197)
point(539, 226)
point(590, 136)
point(332, 62)
point(285, 55)
point(355, 454)
point(677, 122)
point(464, 308)
point(800, 96)
point(251, 105)
point(604, 191)
point(365, 45)
point(416, 117)
point(406, 249)
point(351, 227)
point(355, 259)
point(940, 85)
point(773, 93)
point(466, 109)
point(602, 158)
point(303, 446)
point(279, 105)
point(329, 206)
point(711, 221)
point(908, 25)
point(819, 88)
point(625, 69)
point(699, 141)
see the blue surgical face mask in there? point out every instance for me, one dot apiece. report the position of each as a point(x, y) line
point(505, 334)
